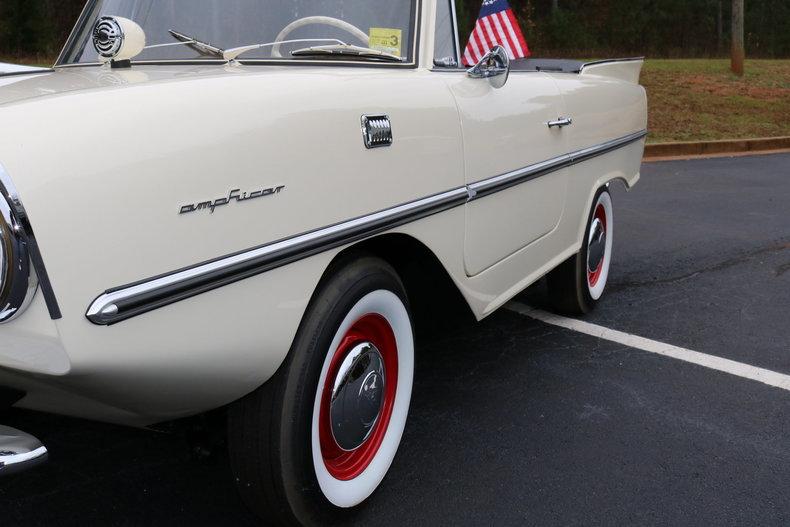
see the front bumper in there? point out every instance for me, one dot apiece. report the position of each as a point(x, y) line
point(19, 451)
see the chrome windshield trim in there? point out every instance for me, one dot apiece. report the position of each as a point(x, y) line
point(81, 20)
point(122, 303)
point(458, 52)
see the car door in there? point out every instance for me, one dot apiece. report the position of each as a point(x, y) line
point(505, 131)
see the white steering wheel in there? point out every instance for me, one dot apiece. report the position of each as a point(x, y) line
point(312, 20)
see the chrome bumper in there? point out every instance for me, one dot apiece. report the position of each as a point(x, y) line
point(19, 451)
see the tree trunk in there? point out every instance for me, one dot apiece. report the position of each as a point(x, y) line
point(738, 49)
point(720, 28)
point(555, 6)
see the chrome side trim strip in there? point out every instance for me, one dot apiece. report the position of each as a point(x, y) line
point(9, 192)
point(604, 148)
point(122, 303)
point(517, 177)
point(129, 301)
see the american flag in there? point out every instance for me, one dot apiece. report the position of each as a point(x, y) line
point(496, 25)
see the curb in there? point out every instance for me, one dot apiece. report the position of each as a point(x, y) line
point(712, 148)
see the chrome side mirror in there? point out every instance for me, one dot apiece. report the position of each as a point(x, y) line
point(494, 66)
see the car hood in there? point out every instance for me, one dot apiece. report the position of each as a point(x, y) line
point(37, 83)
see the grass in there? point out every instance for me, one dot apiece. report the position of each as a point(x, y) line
point(43, 61)
point(696, 99)
point(700, 100)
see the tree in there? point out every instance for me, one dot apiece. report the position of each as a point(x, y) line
point(738, 50)
point(720, 27)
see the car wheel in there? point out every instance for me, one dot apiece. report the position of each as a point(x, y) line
point(320, 436)
point(577, 285)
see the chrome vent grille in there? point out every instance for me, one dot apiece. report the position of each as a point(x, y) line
point(377, 131)
point(107, 37)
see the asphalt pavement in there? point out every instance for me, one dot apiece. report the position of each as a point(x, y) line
point(515, 422)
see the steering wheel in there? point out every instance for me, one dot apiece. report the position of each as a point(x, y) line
point(313, 20)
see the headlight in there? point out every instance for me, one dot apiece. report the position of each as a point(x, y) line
point(18, 282)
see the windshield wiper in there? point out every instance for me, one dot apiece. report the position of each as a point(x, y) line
point(234, 53)
point(346, 50)
point(204, 48)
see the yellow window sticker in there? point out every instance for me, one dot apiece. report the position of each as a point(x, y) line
point(386, 40)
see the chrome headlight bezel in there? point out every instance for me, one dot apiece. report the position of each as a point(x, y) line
point(18, 279)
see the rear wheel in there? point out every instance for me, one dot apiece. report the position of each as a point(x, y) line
point(320, 436)
point(577, 285)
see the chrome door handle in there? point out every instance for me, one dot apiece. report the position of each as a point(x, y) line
point(561, 122)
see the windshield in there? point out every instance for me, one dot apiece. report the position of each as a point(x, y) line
point(383, 25)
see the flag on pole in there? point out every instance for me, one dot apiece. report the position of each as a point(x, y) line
point(496, 26)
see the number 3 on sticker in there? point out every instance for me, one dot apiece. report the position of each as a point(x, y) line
point(386, 40)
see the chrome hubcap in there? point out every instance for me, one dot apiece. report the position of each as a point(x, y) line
point(357, 397)
point(596, 245)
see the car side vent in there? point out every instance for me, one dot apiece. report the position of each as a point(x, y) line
point(377, 131)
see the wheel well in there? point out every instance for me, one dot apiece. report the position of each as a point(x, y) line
point(434, 299)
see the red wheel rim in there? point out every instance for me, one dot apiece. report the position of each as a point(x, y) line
point(341, 464)
point(594, 275)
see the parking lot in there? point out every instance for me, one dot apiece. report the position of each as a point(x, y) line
point(517, 421)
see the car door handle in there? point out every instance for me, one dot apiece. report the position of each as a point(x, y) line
point(561, 122)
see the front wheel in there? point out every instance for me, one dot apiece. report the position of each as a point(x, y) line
point(576, 286)
point(321, 435)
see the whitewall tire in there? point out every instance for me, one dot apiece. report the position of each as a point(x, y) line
point(356, 485)
point(576, 286)
point(599, 240)
point(320, 436)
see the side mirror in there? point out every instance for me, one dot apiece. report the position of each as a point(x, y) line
point(494, 66)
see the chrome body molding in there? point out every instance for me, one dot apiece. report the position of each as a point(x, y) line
point(122, 303)
point(22, 269)
point(125, 302)
point(517, 177)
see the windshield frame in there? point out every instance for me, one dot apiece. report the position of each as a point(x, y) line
point(82, 21)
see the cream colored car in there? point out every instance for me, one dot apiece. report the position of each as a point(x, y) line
point(248, 205)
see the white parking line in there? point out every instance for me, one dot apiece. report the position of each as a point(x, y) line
point(771, 378)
